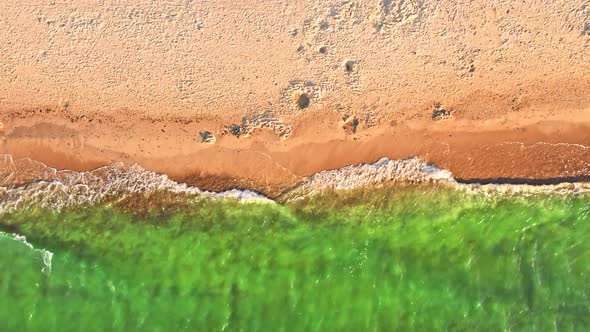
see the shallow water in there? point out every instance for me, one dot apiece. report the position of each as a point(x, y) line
point(405, 257)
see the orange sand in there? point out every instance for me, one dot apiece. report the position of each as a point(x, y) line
point(85, 84)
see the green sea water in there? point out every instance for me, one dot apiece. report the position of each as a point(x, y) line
point(412, 258)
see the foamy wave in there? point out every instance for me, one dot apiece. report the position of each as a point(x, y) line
point(526, 189)
point(382, 172)
point(388, 172)
point(27, 183)
point(46, 255)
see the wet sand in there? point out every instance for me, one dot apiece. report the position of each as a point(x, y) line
point(512, 148)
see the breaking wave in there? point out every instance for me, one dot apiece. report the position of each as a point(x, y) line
point(45, 255)
point(384, 171)
point(414, 170)
point(27, 183)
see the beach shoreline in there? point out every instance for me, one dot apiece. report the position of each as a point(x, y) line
point(513, 147)
point(261, 94)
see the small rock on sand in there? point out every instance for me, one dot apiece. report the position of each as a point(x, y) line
point(207, 137)
point(301, 99)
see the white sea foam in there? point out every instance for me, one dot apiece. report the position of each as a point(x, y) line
point(46, 255)
point(526, 189)
point(414, 170)
point(382, 172)
point(27, 183)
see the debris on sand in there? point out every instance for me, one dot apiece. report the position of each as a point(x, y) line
point(440, 113)
point(234, 129)
point(350, 124)
point(265, 120)
point(348, 65)
point(207, 137)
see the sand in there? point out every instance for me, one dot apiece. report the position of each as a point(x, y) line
point(84, 84)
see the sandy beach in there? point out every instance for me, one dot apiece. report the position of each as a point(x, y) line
point(500, 150)
point(335, 165)
point(260, 94)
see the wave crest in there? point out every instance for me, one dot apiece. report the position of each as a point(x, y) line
point(26, 183)
point(45, 255)
point(384, 171)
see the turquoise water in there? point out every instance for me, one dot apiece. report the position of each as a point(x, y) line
point(421, 258)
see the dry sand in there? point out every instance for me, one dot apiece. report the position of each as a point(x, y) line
point(260, 94)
